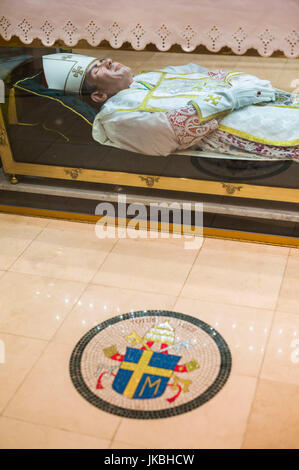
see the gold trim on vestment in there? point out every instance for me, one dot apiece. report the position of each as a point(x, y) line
point(211, 116)
point(142, 106)
point(247, 136)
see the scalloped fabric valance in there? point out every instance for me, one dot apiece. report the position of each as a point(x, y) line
point(265, 25)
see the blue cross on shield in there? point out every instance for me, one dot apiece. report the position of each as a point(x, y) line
point(144, 374)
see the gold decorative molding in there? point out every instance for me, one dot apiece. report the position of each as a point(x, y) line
point(231, 188)
point(73, 172)
point(14, 179)
point(150, 180)
point(2, 136)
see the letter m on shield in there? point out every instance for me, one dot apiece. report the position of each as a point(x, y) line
point(144, 374)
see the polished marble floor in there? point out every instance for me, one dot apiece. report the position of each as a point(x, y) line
point(58, 280)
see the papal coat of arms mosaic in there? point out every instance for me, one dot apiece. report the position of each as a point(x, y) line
point(150, 364)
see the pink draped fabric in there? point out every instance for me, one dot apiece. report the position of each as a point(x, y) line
point(266, 25)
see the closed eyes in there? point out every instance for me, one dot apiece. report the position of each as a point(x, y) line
point(101, 61)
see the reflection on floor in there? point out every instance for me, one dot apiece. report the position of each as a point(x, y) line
point(58, 280)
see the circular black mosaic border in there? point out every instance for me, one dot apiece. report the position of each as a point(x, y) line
point(240, 170)
point(214, 388)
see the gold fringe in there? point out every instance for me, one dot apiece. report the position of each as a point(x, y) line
point(54, 130)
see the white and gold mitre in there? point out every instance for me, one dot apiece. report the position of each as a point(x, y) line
point(162, 333)
point(66, 72)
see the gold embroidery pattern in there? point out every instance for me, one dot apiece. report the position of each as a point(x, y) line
point(151, 95)
point(74, 173)
point(211, 116)
point(214, 99)
point(231, 188)
point(78, 71)
point(2, 136)
point(150, 180)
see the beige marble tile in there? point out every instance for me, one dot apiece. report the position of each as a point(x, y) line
point(237, 273)
point(211, 426)
point(35, 306)
point(23, 220)
point(17, 357)
point(71, 225)
point(16, 233)
point(65, 250)
point(288, 297)
point(294, 253)
point(16, 434)
point(152, 265)
point(99, 303)
point(274, 419)
point(245, 330)
point(48, 397)
point(282, 354)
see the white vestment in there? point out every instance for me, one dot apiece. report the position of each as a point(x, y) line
point(135, 119)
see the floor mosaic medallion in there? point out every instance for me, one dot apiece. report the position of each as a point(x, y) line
point(150, 364)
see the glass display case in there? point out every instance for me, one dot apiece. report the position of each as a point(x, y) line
point(46, 134)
